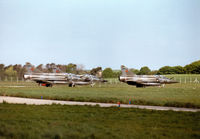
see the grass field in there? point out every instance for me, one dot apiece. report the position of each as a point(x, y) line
point(56, 121)
point(180, 95)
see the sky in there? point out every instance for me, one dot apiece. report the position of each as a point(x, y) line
point(106, 33)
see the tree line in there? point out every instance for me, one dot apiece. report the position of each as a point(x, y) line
point(18, 70)
point(193, 68)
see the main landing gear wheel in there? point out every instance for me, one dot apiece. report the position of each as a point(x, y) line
point(48, 85)
point(71, 85)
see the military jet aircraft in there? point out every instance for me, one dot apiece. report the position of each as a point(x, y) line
point(48, 79)
point(143, 80)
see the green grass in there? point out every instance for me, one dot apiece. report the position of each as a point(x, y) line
point(180, 95)
point(56, 121)
point(188, 78)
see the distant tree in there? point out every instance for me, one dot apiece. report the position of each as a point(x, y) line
point(2, 71)
point(18, 68)
point(117, 74)
point(153, 72)
point(28, 63)
point(165, 70)
point(144, 71)
point(1, 67)
point(94, 71)
point(135, 71)
point(10, 72)
point(71, 68)
point(178, 70)
point(108, 73)
point(171, 70)
point(193, 68)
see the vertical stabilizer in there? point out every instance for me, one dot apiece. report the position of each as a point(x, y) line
point(99, 74)
point(126, 72)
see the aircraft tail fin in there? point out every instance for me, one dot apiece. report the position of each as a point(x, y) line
point(99, 74)
point(126, 72)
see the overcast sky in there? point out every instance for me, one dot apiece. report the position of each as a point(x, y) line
point(105, 33)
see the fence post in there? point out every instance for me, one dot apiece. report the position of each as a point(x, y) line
point(196, 81)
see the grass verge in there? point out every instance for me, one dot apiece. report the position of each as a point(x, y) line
point(57, 121)
point(179, 95)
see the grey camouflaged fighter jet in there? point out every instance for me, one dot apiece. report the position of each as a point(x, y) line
point(143, 80)
point(48, 79)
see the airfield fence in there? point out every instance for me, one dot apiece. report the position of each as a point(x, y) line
point(11, 79)
point(182, 78)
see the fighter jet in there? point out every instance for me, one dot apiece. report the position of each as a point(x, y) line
point(48, 79)
point(143, 80)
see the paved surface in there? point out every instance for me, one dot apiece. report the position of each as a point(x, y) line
point(31, 101)
point(13, 86)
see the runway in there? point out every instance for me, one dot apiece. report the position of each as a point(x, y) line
point(32, 101)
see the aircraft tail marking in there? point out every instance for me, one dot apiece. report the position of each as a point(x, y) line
point(126, 72)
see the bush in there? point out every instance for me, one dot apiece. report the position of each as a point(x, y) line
point(108, 73)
